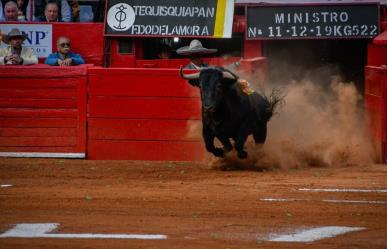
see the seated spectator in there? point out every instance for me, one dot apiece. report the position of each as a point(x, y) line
point(63, 10)
point(50, 13)
point(15, 53)
point(11, 12)
point(21, 8)
point(98, 8)
point(75, 9)
point(64, 56)
point(1, 12)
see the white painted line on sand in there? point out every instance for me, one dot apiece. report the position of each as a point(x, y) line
point(344, 190)
point(41, 230)
point(356, 201)
point(331, 201)
point(6, 185)
point(314, 234)
point(43, 154)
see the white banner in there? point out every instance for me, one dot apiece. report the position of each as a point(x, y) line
point(39, 37)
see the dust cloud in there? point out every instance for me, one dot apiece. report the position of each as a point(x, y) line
point(320, 124)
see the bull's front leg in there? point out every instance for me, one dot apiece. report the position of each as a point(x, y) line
point(209, 137)
point(227, 146)
point(240, 140)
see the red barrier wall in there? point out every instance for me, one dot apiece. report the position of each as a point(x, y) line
point(143, 114)
point(43, 110)
point(375, 105)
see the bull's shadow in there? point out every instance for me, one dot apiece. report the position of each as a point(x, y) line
point(231, 109)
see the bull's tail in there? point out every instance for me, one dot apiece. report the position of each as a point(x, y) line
point(275, 99)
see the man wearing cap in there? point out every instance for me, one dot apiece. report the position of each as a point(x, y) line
point(195, 51)
point(15, 53)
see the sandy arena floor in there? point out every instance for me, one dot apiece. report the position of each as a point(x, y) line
point(192, 204)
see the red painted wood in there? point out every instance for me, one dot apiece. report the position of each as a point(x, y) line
point(38, 132)
point(37, 103)
point(147, 107)
point(42, 93)
point(121, 60)
point(37, 141)
point(43, 108)
point(82, 115)
point(38, 83)
point(144, 129)
point(44, 149)
point(42, 71)
point(375, 83)
point(145, 150)
point(177, 63)
point(375, 109)
point(381, 39)
point(252, 49)
point(38, 122)
point(377, 55)
point(134, 84)
point(28, 113)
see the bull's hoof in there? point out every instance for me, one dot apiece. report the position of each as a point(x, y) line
point(242, 154)
point(218, 152)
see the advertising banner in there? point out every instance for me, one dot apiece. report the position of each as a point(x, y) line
point(305, 22)
point(39, 37)
point(170, 18)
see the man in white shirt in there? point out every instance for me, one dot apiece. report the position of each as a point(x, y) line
point(16, 53)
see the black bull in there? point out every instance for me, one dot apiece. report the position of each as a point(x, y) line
point(228, 112)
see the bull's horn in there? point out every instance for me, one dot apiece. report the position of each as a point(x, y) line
point(228, 75)
point(188, 76)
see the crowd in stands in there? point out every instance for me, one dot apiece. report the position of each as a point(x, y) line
point(17, 54)
point(51, 10)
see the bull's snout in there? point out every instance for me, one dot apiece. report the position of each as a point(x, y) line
point(209, 109)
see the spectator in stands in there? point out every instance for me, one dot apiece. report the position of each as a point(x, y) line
point(21, 10)
point(1, 12)
point(63, 10)
point(64, 56)
point(15, 53)
point(98, 10)
point(195, 51)
point(11, 12)
point(75, 9)
point(50, 13)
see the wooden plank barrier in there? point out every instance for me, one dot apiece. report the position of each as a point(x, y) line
point(143, 114)
point(376, 107)
point(43, 111)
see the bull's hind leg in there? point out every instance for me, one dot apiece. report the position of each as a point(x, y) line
point(240, 142)
point(209, 141)
point(260, 134)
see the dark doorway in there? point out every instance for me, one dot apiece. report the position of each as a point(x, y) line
point(317, 60)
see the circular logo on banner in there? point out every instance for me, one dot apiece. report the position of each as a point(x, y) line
point(120, 17)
